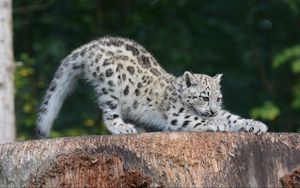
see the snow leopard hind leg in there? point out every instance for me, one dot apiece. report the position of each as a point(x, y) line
point(108, 86)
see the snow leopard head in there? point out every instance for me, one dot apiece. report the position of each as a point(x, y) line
point(201, 93)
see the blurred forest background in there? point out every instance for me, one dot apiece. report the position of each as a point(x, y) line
point(255, 43)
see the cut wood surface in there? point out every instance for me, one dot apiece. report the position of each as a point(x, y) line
point(152, 160)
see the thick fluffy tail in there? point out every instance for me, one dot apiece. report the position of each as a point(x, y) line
point(62, 84)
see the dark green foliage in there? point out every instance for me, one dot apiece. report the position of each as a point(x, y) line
point(254, 43)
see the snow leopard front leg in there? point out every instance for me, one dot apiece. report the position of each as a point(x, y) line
point(182, 120)
point(225, 121)
point(236, 123)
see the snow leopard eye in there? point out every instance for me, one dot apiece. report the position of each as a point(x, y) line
point(205, 98)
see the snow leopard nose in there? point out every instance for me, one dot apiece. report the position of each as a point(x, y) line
point(212, 109)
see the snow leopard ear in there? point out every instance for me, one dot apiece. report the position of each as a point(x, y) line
point(189, 79)
point(218, 77)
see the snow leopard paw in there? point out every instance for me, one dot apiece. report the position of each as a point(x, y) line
point(124, 128)
point(255, 127)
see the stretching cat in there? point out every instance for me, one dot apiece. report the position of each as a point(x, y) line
point(131, 87)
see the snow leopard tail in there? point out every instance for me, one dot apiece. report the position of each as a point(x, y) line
point(63, 83)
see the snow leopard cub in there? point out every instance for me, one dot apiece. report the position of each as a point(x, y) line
point(133, 90)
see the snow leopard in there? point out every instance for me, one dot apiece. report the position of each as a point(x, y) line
point(136, 94)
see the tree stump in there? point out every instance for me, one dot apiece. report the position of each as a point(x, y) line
point(177, 159)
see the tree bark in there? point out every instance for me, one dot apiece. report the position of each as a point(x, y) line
point(7, 118)
point(178, 159)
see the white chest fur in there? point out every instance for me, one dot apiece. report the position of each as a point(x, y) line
point(143, 115)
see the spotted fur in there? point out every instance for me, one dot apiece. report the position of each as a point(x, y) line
point(133, 89)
